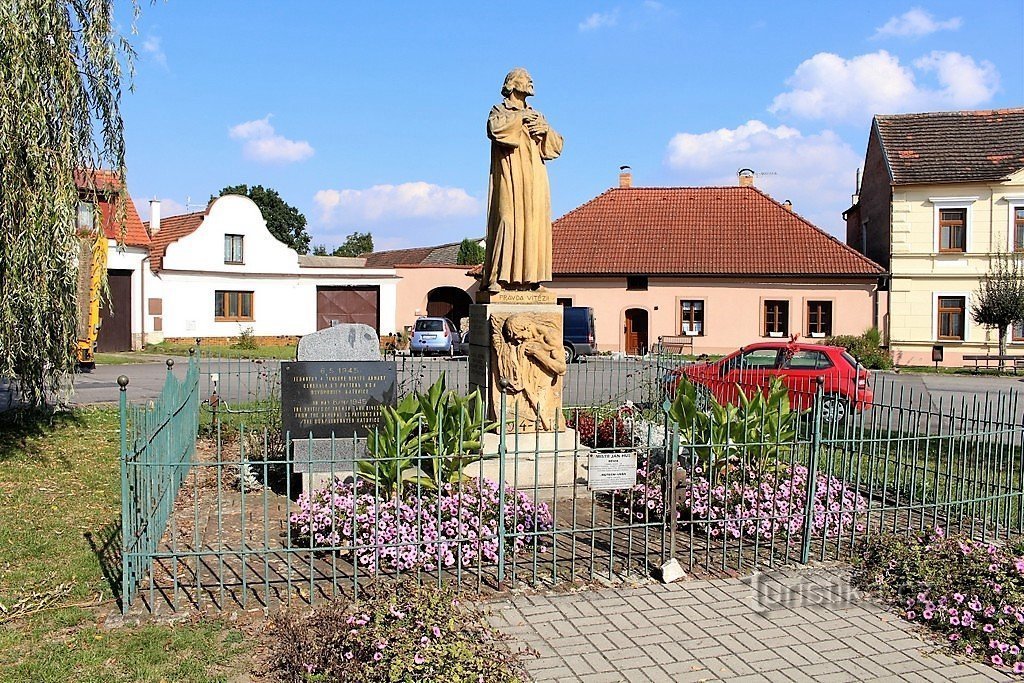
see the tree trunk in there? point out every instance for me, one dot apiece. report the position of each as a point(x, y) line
point(1002, 345)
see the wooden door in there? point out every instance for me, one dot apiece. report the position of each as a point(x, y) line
point(636, 331)
point(115, 333)
point(336, 305)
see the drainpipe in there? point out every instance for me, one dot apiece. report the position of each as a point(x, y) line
point(142, 295)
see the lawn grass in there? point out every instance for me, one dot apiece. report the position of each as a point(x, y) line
point(281, 352)
point(60, 491)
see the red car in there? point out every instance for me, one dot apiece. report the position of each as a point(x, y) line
point(845, 381)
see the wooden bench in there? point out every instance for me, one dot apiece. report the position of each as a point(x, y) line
point(681, 344)
point(993, 361)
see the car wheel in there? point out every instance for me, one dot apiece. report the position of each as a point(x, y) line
point(570, 354)
point(833, 409)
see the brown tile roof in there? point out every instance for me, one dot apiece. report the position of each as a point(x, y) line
point(718, 231)
point(105, 183)
point(952, 146)
point(440, 255)
point(172, 229)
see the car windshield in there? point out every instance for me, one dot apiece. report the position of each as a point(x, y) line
point(429, 325)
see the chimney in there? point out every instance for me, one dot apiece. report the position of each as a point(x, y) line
point(788, 205)
point(625, 176)
point(154, 216)
point(746, 177)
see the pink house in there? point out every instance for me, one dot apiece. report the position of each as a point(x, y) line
point(725, 266)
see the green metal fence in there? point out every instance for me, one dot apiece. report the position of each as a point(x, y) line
point(158, 442)
point(748, 489)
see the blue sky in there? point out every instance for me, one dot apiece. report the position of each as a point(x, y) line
point(370, 116)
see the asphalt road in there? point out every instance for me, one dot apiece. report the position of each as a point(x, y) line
point(599, 380)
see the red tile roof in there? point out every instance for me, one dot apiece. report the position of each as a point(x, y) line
point(953, 146)
point(105, 183)
point(172, 229)
point(718, 231)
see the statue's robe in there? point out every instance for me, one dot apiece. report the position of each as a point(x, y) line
point(519, 201)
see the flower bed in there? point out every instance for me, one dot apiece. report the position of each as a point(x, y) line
point(394, 633)
point(765, 507)
point(457, 525)
point(970, 593)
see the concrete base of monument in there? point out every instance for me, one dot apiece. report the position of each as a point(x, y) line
point(557, 467)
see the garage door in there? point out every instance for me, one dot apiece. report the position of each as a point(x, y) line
point(116, 315)
point(336, 305)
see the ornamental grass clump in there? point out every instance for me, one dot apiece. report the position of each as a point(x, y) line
point(455, 526)
point(969, 592)
point(404, 633)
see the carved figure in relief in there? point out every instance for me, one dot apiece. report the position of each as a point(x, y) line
point(528, 355)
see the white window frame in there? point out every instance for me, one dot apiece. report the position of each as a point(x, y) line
point(940, 203)
point(935, 317)
point(1013, 203)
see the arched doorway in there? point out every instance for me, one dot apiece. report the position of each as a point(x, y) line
point(636, 331)
point(448, 302)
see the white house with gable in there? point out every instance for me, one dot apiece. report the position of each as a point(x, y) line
point(220, 271)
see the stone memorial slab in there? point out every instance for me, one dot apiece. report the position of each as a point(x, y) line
point(343, 398)
point(348, 341)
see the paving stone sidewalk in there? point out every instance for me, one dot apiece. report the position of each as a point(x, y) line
point(803, 624)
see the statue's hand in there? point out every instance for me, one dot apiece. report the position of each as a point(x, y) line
point(538, 128)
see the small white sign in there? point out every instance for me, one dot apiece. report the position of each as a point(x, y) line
point(611, 471)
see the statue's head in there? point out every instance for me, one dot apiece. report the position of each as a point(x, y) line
point(517, 328)
point(517, 80)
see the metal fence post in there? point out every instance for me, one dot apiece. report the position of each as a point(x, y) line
point(812, 471)
point(126, 582)
point(503, 384)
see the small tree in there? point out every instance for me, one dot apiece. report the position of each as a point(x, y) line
point(470, 253)
point(319, 250)
point(999, 302)
point(284, 221)
point(355, 244)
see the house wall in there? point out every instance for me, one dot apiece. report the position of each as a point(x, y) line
point(417, 281)
point(134, 259)
point(733, 308)
point(868, 227)
point(284, 293)
point(920, 273)
point(283, 305)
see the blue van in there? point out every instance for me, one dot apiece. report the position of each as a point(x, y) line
point(578, 332)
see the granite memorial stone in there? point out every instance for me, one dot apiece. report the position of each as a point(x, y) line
point(348, 341)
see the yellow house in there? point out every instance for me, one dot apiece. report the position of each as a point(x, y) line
point(942, 195)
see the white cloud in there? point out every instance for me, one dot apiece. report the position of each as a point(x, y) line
point(599, 20)
point(262, 143)
point(831, 87)
point(815, 171)
point(152, 46)
point(914, 24)
point(390, 202)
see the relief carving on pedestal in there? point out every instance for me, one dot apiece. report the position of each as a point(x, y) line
point(528, 355)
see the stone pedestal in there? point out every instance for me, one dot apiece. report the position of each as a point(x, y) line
point(549, 460)
point(547, 464)
point(482, 371)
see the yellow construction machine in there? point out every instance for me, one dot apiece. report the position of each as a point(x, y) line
point(92, 270)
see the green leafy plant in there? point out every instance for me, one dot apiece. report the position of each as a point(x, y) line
point(752, 435)
point(246, 339)
point(866, 348)
point(395, 447)
point(428, 440)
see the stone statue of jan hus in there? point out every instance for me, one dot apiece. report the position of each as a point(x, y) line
point(519, 198)
point(528, 351)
